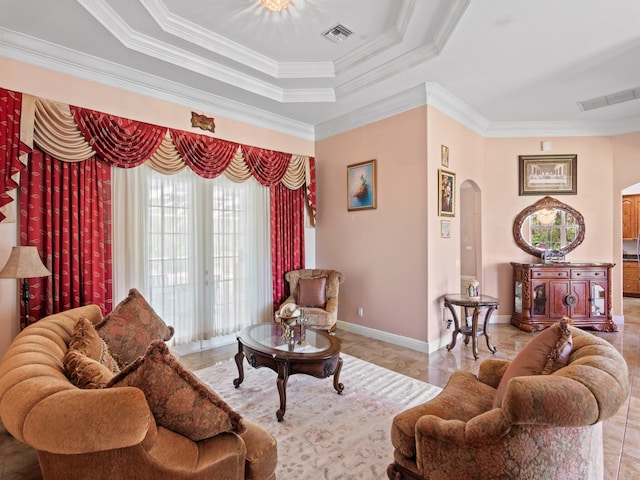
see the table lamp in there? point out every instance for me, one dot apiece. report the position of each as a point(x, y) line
point(24, 263)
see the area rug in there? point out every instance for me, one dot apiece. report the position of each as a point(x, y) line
point(325, 435)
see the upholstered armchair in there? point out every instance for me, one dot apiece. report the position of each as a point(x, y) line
point(316, 290)
point(545, 425)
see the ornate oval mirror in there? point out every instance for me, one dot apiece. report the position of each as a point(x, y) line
point(548, 225)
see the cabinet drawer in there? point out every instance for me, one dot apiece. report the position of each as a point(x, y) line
point(630, 273)
point(590, 273)
point(631, 286)
point(561, 273)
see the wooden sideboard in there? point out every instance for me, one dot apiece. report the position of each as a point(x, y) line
point(546, 292)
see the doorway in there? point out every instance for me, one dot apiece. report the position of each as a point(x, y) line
point(470, 238)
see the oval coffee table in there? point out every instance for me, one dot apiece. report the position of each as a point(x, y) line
point(317, 354)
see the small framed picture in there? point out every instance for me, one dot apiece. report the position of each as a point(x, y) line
point(445, 228)
point(444, 156)
point(361, 186)
point(446, 193)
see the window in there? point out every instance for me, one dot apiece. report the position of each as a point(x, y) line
point(206, 265)
point(560, 229)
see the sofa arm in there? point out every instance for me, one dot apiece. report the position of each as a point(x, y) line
point(78, 421)
point(491, 371)
point(332, 305)
point(549, 400)
point(483, 429)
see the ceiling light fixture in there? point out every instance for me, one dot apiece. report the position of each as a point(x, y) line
point(275, 5)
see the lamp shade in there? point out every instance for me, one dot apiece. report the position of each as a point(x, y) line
point(24, 262)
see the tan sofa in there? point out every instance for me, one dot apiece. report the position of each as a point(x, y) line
point(546, 426)
point(109, 433)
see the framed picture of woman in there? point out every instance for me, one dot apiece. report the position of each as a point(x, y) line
point(446, 193)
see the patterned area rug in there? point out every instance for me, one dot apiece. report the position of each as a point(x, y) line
point(325, 435)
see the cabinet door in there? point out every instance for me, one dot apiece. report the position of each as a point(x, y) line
point(558, 292)
point(629, 218)
point(598, 299)
point(539, 290)
point(579, 304)
point(636, 217)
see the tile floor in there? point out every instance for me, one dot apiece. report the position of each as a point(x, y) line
point(622, 459)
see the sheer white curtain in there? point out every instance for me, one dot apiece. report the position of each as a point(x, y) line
point(197, 249)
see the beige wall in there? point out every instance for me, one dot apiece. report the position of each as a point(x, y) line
point(398, 271)
point(396, 265)
point(594, 200)
point(382, 252)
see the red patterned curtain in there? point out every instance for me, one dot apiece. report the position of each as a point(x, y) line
point(65, 211)
point(10, 145)
point(267, 166)
point(287, 237)
point(124, 143)
point(207, 156)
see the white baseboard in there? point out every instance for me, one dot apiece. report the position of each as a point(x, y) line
point(618, 319)
point(413, 344)
point(399, 340)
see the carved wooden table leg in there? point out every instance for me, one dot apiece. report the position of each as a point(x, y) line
point(336, 377)
point(487, 336)
point(239, 357)
point(283, 378)
point(456, 324)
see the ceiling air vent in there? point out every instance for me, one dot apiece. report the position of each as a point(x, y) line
point(611, 99)
point(337, 33)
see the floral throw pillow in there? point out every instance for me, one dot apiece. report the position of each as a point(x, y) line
point(131, 327)
point(547, 352)
point(178, 400)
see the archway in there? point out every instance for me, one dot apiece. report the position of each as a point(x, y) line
point(470, 234)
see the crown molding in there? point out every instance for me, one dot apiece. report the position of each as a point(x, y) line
point(414, 57)
point(172, 54)
point(400, 103)
point(202, 37)
point(41, 54)
point(392, 36)
point(26, 49)
point(455, 108)
point(562, 129)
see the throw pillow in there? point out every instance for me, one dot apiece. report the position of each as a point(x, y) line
point(84, 372)
point(88, 362)
point(178, 400)
point(544, 354)
point(131, 327)
point(311, 292)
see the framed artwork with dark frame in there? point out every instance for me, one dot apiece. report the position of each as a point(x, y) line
point(446, 193)
point(361, 186)
point(548, 174)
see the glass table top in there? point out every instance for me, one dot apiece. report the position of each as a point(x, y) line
point(270, 336)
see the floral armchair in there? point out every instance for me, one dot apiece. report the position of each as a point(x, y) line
point(316, 290)
point(545, 426)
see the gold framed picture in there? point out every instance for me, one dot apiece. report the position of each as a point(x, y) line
point(446, 193)
point(444, 156)
point(361, 186)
